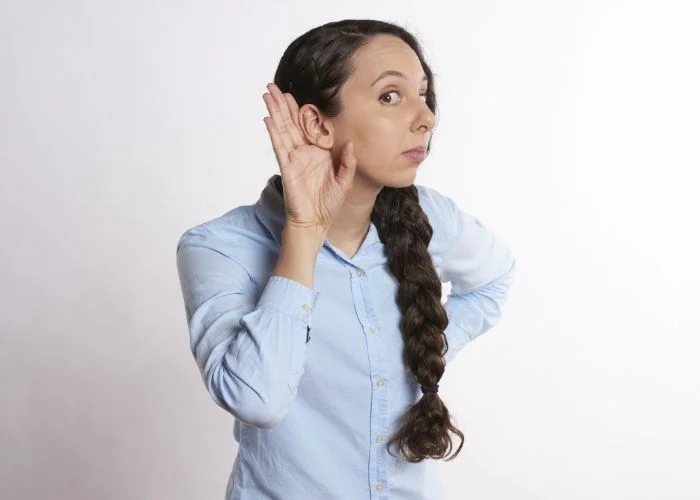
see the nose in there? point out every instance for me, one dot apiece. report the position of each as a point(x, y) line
point(425, 118)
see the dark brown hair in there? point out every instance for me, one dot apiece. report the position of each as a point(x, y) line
point(313, 69)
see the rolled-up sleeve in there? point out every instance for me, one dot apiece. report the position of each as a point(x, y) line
point(250, 346)
point(479, 267)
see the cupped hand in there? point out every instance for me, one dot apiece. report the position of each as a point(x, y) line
point(314, 190)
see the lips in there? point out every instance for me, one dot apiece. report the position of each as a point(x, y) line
point(416, 155)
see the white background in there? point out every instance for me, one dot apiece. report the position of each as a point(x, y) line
point(570, 128)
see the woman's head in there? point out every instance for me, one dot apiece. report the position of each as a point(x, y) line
point(338, 75)
point(331, 71)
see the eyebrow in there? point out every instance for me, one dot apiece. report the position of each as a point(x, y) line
point(393, 72)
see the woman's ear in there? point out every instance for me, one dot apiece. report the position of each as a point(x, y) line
point(314, 127)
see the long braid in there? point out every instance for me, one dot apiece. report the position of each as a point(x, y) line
point(404, 229)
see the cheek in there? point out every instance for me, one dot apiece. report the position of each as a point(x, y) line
point(377, 140)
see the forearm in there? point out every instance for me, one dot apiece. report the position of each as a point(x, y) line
point(249, 345)
point(473, 313)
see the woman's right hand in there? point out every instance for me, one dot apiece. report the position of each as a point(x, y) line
point(314, 190)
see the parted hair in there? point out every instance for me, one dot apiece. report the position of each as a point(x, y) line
point(313, 68)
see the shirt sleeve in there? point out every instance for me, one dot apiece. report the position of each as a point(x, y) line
point(250, 347)
point(479, 267)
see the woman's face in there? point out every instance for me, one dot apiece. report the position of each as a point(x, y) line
point(384, 116)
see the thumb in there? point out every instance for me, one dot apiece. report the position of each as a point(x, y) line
point(348, 164)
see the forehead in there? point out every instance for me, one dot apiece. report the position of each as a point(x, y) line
point(381, 53)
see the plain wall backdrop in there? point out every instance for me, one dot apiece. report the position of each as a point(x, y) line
point(570, 128)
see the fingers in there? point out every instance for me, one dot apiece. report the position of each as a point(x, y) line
point(283, 139)
point(293, 109)
point(280, 113)
point(281, 151)
point(348, 164)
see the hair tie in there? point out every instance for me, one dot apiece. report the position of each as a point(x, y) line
point(429, 388)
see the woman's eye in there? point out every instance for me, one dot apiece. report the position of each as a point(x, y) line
point(388, 93)
point(394, 92)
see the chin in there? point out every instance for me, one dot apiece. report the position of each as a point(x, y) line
point(401, 177)
point(401, 181)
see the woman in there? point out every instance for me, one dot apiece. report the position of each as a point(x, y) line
point(315, 315)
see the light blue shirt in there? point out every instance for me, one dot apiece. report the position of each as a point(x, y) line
point(315, 376)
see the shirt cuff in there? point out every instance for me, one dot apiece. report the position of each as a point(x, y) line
point(289, 296)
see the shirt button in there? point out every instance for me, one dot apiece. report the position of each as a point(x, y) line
point(372, 330)
point(380, 486)
point(380, 382)
point(306, 307)
point(359, 272)
point(379, 438)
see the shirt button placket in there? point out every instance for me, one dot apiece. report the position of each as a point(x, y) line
point(379, 401)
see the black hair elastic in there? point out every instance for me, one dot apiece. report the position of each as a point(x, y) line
point(429, 388)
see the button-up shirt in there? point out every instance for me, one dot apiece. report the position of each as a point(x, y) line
point(315, 377)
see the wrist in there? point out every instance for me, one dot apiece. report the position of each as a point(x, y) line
point(304, 236)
